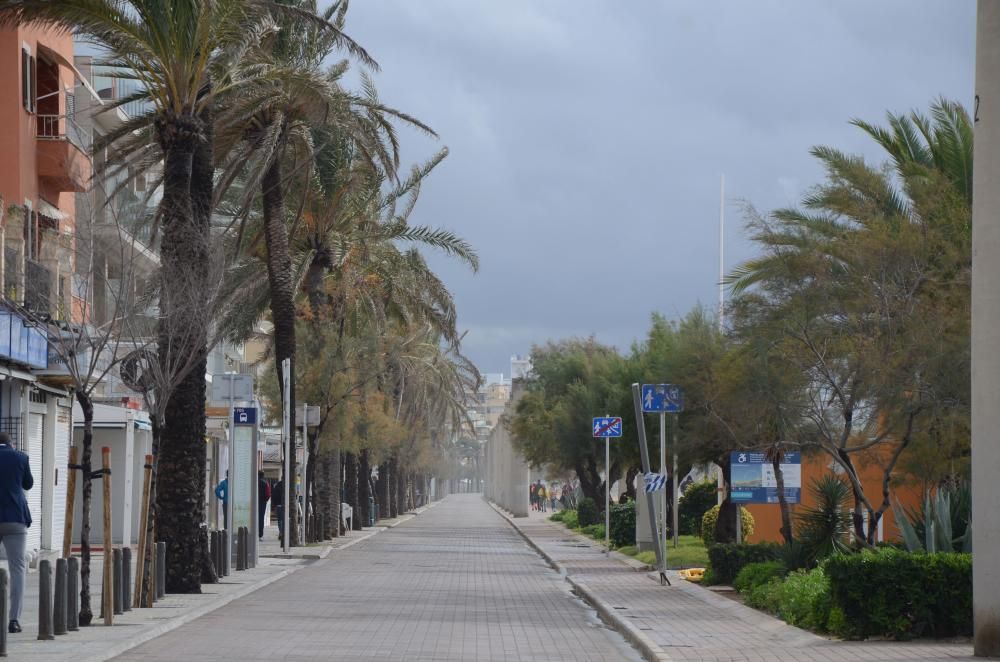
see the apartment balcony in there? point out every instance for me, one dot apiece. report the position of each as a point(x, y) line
point(38, 279)
point(62, 152)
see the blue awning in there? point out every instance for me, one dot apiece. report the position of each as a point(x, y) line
point(21, 341)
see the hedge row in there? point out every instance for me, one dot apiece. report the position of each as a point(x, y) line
point(901, 595)
point(725, 560)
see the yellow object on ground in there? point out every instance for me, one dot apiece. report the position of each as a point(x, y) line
point(692, 574)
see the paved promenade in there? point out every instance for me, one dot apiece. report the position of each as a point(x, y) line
point(687, 622)
point(455, 583)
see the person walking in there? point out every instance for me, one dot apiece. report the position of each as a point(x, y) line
point(542, 497)
point(15, 518)
point(222, 494)
point(278, 503)
point(553, 498)
point(263, 494)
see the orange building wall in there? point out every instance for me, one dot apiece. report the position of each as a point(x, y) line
point(19, 168)
point(767, 517)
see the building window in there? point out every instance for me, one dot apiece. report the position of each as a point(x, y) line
point(27, 80)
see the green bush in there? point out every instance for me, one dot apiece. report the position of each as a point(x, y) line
point(753, 575)
point(900, 594)
point(698, 499)
point(711, 516)
point(764, 596)
point(623, 524)
point(726, 560)
point(557, 516)
point(803, 599)
point(570, 519)
point(595, 531)
point(587, 513)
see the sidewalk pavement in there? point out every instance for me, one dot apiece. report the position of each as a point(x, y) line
point(688, 622)
point(98, 642)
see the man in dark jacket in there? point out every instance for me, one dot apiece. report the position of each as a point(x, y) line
point(278, 502)
point(263, 494)
point(15, 518)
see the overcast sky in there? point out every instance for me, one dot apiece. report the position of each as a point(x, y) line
point(587, 138)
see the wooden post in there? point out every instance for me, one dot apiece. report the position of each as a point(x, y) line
point(108, 596)
point(71, 470)
point(140, 562)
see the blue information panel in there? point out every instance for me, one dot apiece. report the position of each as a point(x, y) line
point(754, 481)
point(662, 398)
point(607, 426)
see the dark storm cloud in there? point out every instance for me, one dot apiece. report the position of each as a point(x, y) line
point(587, 138)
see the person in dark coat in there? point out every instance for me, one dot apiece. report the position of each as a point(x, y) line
point(278, 502)
point(263, 494)
point(15, 518)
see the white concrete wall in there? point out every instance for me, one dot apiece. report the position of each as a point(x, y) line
point(986, 334)
point(507, 474)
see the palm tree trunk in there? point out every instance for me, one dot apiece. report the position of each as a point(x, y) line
point(338, 490)
point(364, 488)
point(87, 405)
point(351, 488)
point(281, 283)
point(392, 488)
point(180, 494)
point(384, 477)
point(400, 488)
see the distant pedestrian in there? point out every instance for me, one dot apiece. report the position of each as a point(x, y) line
point(543, 497)
point(263, 494)
point(553, 498)
point(533, 496)
point(15, 518)
point(278, 502)
point(222, 494)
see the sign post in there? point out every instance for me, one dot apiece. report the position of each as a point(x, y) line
point(286, 439)
point(665, 399)
point(243, 479)
point(659, 548)
point(232, 387)
point(607, 427)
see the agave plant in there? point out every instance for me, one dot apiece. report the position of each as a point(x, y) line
point(933, 528)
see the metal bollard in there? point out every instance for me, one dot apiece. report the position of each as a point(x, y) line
point(116, 581)
point(151, 595)
point(161, 569)
point(4, 610)
point(127, 579)
point(59, 605)
point(45, 600)
point(239, 549)
point(72, 600)
point(244, 548)
point(225, 557)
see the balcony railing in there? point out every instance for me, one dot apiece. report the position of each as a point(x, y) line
point(37, 288)
point(61, 127)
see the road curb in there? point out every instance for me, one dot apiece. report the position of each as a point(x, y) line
point(649, 649)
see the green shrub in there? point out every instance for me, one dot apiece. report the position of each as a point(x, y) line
point(764, 596)
point(825, 529)
point(803, 599)
point(623, 524)
point(587, 513)
point(595, 531)
point(557, 516)
point(755, 574)
point(710, 518)
point(698, 499)
point(726, 560)
point(569, 518)
point(900, 594)
point(708, 579)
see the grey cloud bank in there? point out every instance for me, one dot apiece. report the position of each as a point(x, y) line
point(587, 139)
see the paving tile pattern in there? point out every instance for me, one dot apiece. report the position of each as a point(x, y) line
point(689, 622)
point(455, 583)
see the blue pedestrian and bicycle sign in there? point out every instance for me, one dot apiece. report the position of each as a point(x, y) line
point(662, 398)
point(607, 426)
